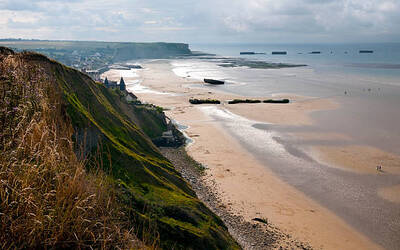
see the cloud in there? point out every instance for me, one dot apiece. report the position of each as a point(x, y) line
point(203, 21)
point(307, 20)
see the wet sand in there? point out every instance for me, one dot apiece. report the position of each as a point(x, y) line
point(358, 158)
point(391, 193)
point(295, 113)
point(296, 176)
point(251, 190)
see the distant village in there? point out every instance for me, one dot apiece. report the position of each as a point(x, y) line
point(95, 74)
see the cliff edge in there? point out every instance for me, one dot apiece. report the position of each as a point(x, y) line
point(77, 171)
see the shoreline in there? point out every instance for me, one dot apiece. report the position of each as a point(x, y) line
point(249, 234)
point(284, 206)
point(255, 191)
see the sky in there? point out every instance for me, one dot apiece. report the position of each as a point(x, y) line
point(203, 21)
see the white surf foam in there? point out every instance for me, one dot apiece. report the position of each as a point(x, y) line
point(243, 128)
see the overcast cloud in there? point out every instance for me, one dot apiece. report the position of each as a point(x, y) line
point(259, 21)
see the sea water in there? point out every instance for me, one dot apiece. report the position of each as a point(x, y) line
point(367, 87)
point(336, 70)
point(384, 61)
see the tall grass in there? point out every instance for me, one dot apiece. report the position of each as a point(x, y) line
point(47, 199)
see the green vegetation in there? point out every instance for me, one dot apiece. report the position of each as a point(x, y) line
point(125, 187)
point(47, 199)
point(151, 119)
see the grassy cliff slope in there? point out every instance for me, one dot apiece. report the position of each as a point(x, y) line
point(149, 198)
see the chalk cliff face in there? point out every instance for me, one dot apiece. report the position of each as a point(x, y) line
point(153, 197)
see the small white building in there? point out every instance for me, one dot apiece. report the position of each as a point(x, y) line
point(130, 97)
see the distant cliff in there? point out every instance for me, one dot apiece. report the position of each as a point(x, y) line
point(86, 54)
point(129, 51)
point(78, 171)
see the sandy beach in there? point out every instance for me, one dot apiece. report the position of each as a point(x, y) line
point(250, 186)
